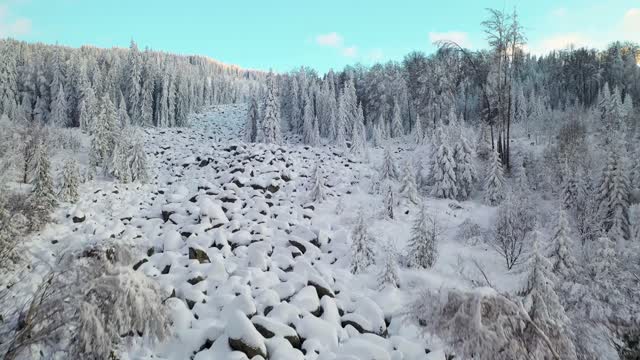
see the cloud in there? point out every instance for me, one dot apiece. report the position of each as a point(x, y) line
point(460, 38)
point(375, 55)
point(559, 12)
point(350, 51)
point(631, 23)
point(332, 39)
point(561, 41)
point(12, 27)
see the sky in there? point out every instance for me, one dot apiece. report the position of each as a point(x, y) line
point(323, 34)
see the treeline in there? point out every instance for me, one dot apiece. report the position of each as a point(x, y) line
point(63, 86)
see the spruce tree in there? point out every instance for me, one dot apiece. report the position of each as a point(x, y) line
point(59, 116)
point(388, 171)
point(561, 257)
point(119, 165)
point(396, 125)
point(494, 181)
point(308, 134)
point(388, 275)
point(123, 117)
point(318, 192)
point(443, 170)
point(388, 203)
point(465, 170)
point(252, 125)
point(104, 134)
point(271, 117)
point(545, 310)
point(423, 244)
point(362, 244)
point(408, 188)
point(358, 139)
point(138, 161)
point(70, 181)
point(418, 133)
point(42, 193)
point(613, 197)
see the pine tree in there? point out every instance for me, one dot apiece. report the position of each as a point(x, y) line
point(388, 171)
point(318, 193)
point(546, 311)
point(361, 246)
point(388, 275)
point(42, 192)
point(562, 259)
point(348, 107)
point(8, 235)
point(70, 181)
point(252, 125)
point(308, 133)
point(423, 245)
point(119, 165)
point(443, 170)
point(494, 182)
point(418, 133)
point(138, 161)
point(271, 117)
point(613, 197)
point(408, 188)
point(388, 203)
point(123, 117)
point(358, 139)
point(397, 128)
point(59, 109)
point(465, 170)
point(377, 135)
point(134, 76)
point(569, 188)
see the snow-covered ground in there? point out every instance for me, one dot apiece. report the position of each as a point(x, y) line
point(247, 261)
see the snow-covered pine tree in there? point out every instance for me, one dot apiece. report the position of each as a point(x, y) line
point(613, 197)
point(119, 165)
point(70, 181)
point(318, 192)
point(388, 203)
point(8, 235)
point(443, 169)
point(388, 171)
point(59, 112)
point(348, 107)
point(123, 116)
point(388, 275)
point(362, 243)
point(465, 170)
point(138, 161)
point(418, 133)
point(308, 132)
point(422, 249)
point(494, 181)
point(104, 133)
point(408, 187)
point(358, 139)
point(562, 260)
point(271, 117)
point(252, 125)
point(42, 193)
point(545, 311)
point(376, 136)
point(397, 130)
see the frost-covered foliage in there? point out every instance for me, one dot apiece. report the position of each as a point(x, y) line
point(388, 275)
point(561, 257)
point(515, 220)
point(388, 170)
point(43, 194)
point(422, 251)
point(389, 203)
point(318, 192)
point(253, 122)
point(408, 187)
point(465, 171)
point(443, 171)
point(89, 309)
point(358, 138)
point(270, 133)
point(8, 236)
point(494, 181)
point(397, 130)
point(104, 134)
point(362, 243)
point(70, 180)
point(613, 197)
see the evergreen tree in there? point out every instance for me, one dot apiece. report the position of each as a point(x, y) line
point(252, 125)
point(388, 275)
point(408, 188)
point(613, 197)
point(562, 259)
point(494, 182)
point(418, 133)
point(318, 192)
point(545, 311)
point(59, 109)
point(271, 116)
point(465, 170)
point(104, 134)
point(70, 181)
point(361, 246)
point(123, 117)
point(120, 157)
point(443, 170)
point(348, 107)
point(388, 171)
point(423, 245)
point(388, 203)
point(138, 161)
point(42, 192)
point(397, 128)
point(358, 139)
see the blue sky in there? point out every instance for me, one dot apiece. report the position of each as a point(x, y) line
point(283, 34)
